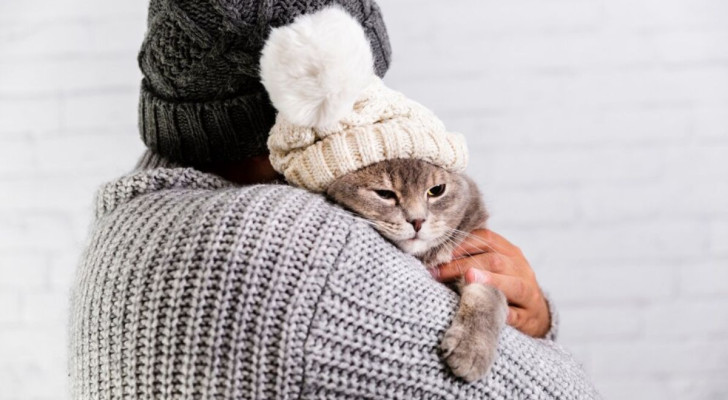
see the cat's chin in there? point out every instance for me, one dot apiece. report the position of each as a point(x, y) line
point(414, 246)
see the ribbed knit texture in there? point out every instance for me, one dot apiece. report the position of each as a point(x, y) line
point(201, 98)
point(383, 125)
point(193, 288)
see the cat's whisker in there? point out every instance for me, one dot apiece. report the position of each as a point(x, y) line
point(356, 217)
point(492, 246)
point(468, 254)
point(451, 245)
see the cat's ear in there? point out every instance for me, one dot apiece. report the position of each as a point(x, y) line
point(315, 68)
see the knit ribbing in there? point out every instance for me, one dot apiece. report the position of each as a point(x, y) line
point(383, 125)
point(201, 97)
point(193, 288)
point(205, 131)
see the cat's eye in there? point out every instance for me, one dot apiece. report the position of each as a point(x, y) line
point(386, 194)
point(436, 191)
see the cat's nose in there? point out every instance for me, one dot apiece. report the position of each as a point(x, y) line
point(417, 224)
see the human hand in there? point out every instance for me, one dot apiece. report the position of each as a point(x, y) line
point(487, 257)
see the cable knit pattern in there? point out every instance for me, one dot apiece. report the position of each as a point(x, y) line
point(201, 98)
point(193, 288)
point(384, 125)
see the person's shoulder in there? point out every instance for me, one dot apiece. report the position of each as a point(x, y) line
point(184, 184)
point(207, 198)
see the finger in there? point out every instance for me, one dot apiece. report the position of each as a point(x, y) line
point(484, 240)
point(524, 321)
point(450, 271)
point(514, 288)
point(474, 275)
point(475, 243)
point(491, 262)
point(503, 245)
point(516, 317)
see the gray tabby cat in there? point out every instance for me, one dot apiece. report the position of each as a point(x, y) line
point(426, 210)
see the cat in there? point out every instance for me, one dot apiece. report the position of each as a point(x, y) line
point(426, 211)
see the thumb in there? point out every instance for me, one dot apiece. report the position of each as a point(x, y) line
point(474, 275)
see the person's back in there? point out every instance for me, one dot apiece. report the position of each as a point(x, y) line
point(193, 287)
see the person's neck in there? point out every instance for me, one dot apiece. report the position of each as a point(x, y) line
point(245, 172)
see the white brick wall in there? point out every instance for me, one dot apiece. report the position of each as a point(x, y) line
point(599, 133)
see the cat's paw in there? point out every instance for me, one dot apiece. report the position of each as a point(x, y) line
point(469, 351)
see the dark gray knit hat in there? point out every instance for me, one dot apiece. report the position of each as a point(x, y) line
point(201, 97)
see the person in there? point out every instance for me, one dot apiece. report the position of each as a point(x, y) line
point(204, 277)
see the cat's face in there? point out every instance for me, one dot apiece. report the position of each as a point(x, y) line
point(413, 203)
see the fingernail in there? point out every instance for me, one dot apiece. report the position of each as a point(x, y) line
point(476, 276)
point(434, 272)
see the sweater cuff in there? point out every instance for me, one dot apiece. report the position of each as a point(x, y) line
point(554, 326)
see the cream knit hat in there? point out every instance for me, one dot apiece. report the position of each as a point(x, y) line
point(335, 115)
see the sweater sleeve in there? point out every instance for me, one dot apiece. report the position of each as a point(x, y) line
point(191, 287)
point(376, 330)
point(553, 331)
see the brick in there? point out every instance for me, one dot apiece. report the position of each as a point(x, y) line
point(695, 47)
point(623, 285)
point(626, 358)
point(22, 271)
point(29, 116)
point(687, 319)
point(623, 126)
point(650, 86)
point(73, 37)
point(101, 111)
point(531, 167)
point(644, 241)
point(46, 309)
point(665, 14)
point(588, 128)
point(705, 279)
point(489, 130)
point(712, 122)
point(707, 199)
point(598, 133)
point(700, 387)
point(677, 197)
point(697, 164)
point(492, 16)
point(45, 10)
point(9, 308)
point(588, 50)
point(595, 324)
point(533, 207)
point(509, 90)
point(17, 157)
point(105, 156)
point(62, 268)
point(81, 222)
point(626, 202)
point(636, 387)
point(34, 232)
point(11, 381)
point(35, 356)
point(50, 194)
point(23, 78)
point(719, 238)
point(498, 53)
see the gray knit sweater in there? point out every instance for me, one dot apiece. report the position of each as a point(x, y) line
point(194, 288)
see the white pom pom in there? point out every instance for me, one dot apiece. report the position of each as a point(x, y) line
point(315, 68)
